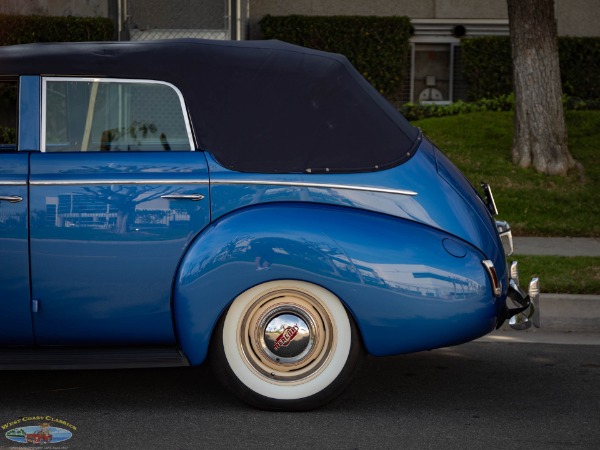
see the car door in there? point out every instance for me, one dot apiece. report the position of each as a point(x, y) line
point(117, 194)
point(15, 316)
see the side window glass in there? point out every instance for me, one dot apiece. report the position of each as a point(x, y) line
point(110, 115)
point(9, 95)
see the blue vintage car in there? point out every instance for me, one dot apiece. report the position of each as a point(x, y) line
point(256, 204)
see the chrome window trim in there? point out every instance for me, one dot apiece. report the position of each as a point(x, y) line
point(182, 104)
point(303, 184)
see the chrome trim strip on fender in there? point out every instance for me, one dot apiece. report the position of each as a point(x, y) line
point(12, 183)
point(303, 184)
point(111, 181)
point(217, 182)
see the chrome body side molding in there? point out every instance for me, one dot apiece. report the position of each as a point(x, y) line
point(303, 184)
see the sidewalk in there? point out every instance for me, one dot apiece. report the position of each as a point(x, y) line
point(566, 246)
point(564, 312)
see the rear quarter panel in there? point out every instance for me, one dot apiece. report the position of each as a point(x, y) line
point(405, 290)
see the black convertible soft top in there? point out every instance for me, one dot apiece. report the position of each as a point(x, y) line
point(257, 106)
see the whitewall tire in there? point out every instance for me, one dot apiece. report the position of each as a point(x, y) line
point(286, 345)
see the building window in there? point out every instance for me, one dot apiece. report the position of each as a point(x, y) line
point(435, 60)
point(432, 73)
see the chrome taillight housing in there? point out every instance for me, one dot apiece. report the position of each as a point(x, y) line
point(491, 270)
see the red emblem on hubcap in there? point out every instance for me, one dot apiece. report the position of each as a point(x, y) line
point(284, 339)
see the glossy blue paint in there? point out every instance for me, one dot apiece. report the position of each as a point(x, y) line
point(105, 246)
point(437, 203)
point(29, 113)
point(406, 292)
point(15, 306)
point(96, 254)
point(490, 242)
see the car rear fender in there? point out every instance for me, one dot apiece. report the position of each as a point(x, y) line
point(408, 286)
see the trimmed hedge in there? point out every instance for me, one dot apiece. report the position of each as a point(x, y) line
point(377, 46)
point(487, 66)
point(8, 135)
point(418, 111)
point(580, 66)
point(8, 101)
point(26, 29)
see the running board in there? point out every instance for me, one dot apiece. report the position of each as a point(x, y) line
point(63, 358)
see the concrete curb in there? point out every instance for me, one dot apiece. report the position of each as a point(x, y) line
point(569, 313)
point(564, 312)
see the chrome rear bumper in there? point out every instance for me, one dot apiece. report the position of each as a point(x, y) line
point(526, 305)
point(526, 311)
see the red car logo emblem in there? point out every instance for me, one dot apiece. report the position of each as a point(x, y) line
point(284, 339)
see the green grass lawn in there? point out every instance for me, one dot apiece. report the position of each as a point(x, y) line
point(561, 274)
point(534, 204)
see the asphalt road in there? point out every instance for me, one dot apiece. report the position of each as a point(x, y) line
point(485, 394)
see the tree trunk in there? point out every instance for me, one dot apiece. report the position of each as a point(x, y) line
point(540, 138)
point(123, 216)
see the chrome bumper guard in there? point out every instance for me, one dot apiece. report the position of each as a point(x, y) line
point(527, 305)
point(505, 236)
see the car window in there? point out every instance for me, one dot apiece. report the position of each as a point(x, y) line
point(8, 114)
point(91, 115)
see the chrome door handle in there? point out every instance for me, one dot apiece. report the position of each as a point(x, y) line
point(11, 198)
point(192, 197)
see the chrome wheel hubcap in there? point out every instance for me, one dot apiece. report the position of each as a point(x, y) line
point(286, 336)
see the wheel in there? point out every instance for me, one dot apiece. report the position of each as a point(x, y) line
point(286, 345)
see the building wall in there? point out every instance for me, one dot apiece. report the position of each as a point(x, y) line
point(83, 8)
point(440, 9)
point(180, 14)
point(574, 17)
point(422, 9)
point(578, 17)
